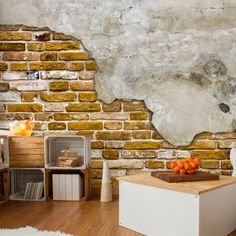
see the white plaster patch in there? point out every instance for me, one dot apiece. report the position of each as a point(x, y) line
point(10, 97)
point(29, 85)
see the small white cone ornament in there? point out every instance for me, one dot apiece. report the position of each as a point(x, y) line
point(233, 160)
point(106, 191)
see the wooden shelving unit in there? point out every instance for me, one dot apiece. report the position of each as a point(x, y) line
point(29, 161)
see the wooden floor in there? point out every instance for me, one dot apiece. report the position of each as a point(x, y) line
point(90, 218)
point(77, 218)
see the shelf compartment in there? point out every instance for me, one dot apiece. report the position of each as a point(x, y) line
point(19, 177)
point(55, 145)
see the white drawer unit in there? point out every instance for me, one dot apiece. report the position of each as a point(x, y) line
point(153, 207)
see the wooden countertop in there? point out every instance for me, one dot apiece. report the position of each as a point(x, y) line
point(196, 187)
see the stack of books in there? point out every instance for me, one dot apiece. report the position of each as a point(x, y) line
point(34, 190)
point(67, 187)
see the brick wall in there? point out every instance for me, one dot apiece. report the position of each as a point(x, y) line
point(48, 77)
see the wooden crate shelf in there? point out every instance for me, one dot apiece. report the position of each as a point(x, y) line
point(26, 152)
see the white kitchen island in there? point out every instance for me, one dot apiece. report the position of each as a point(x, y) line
point(156, 208)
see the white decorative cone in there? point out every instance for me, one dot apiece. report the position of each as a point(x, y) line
point(233, 160)
point(106, 191)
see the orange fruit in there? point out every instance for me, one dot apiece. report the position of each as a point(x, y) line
point(186, 166)
point(197, 159)
point(176, 169)
point(182, 171)
point(173, 164)
point(193, 164)
point(192, 171)
point(180, 164)
point(189, 159)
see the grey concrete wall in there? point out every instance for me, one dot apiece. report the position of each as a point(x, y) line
point(177, 55)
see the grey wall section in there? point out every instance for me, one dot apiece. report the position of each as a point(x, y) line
point(177, 55)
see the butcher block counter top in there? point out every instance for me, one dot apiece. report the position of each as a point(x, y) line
point(196, 187)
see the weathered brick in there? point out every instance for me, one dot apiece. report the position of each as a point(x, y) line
point(57, 46)
point(82, 86)
point(154, 164)
point(8, 75)
point(71, 116)
point(97, 145)
point(24, 107)
point(2, 108)
point(85, 125)
point(114, 107)
point(39, 47)
point(142, 145)
point(156, 135)
point(58, 86)
point(231, 135)
point(34, 28)
point(58, 97)
point(69, 56)
point(6, 116)
point(41, 36)
point(75, 66)
point(43, 116)
point(96, 153)
point(204, 135)
point(28, 96)
point(4, 86)
point(83, 107)
point(39, 126)
point(88, 96)
point(202, 144)
point(47, 66)
point(134, 106)
point(54, 107)
point(61, 36)
point(48, 56)
point(87, 75)
point(91, 65)
point(142, 134)
point(166, 154)
point(119, 164)
point(12, 47)
point(10, 27)
point(139, 154)
point(57, 126)
point(23, 116)
point(97, 173)
point(10, 96)
point(109, 116)
point(85, 133)
point(226, 165)
point(227, 143)
point(19, 56)
point(210, 154)
point(209, 164)
point(139, 116)
point(65, 75)
point(113, 135)
point(18, 66)
point(3, 66)
point(28, 85)
point(114, 145)
point(15, 36)
point(110, 154)
point(113, 125)
point(167, 145)
point(137, 125)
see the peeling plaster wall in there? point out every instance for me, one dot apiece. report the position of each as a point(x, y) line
point(177, 56)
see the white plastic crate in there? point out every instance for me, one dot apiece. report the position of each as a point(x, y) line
point(54, 145)
point(19, 179)
point(4, 152)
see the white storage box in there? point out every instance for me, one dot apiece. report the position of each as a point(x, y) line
point(153, 207)
point(67, 187)
point(4, 152)
point(76, 146)
point(19, 179)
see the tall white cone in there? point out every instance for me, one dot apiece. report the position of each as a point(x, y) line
point(106, 191)
point(233, 160)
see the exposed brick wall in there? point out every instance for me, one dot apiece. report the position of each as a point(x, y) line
point(63, 100)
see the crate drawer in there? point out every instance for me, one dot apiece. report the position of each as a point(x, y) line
point(26, 152)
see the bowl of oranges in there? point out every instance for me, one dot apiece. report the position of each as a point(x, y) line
point(21, 128)
point(186, 166)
